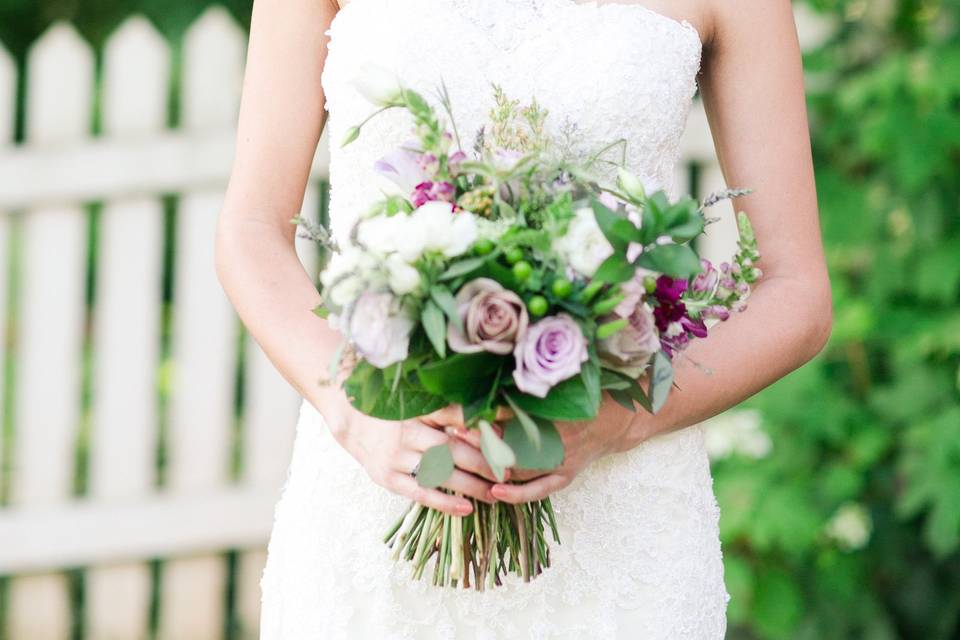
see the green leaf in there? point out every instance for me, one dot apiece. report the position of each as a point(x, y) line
point(591, 381)
point(548, 456)
point(622, 398)
point(446, 301)
point(674, 260)
point(661, 380)
point(321, 311)
point(617, 229)
point(533, 433)
point(462, 377)
point(436, 466)
point(615, 269)
point(464, 267)
point(497, 453)
point(370, 392)
point(435, 326)
point(613, 380)
point(567, 401)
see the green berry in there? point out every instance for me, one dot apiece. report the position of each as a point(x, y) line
point(650, 284)
point(515, 255)
point(522, 270)
point(483, 247)
point(562, 288)
point(538, 306)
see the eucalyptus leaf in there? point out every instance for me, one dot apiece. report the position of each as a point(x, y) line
point(613, 380)
point(548, 456)
point(497, 453)
point(622, 398)
point(661, 380)
point(446, 301)
point(528, 424)
point(436, 466)
point(435, 327)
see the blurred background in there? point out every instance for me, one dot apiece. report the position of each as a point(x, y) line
point(144, 438)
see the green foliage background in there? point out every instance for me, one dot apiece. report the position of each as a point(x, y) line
point(875, 420)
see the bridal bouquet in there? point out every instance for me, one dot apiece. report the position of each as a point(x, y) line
point(510, 276)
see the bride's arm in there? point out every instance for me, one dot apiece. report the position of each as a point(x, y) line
point(752, 86)
point(281, 117)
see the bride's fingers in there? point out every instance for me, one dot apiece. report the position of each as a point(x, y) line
point(450, 416)
point(469, 436)
point(529, 491)
point(405, 485)
point(470, 459)
point(418, 436)
point(470, 485)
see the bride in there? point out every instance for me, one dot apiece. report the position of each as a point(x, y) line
point(640, 556)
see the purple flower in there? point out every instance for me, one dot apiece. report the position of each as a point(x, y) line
point(707, 280)
point(403, 167)
point(455, 160)
point(551, 351)
point(493, 318)
point(630, 349)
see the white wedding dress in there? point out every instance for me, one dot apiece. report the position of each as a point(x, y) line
point(640, 554)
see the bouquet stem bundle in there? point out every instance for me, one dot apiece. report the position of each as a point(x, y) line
point(475, 551)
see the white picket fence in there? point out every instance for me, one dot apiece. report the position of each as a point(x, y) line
point(125, 519)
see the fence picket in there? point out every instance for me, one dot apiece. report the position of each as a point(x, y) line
point(136, 72)
point(59, 99)
point(8, 88)
point(204, 332)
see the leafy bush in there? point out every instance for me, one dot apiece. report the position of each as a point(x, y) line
point(850, 528)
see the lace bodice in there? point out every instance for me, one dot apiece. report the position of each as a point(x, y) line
point(640, 556)
point(608, 70)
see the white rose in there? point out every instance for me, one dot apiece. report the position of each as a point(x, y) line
point(402, 277)
point(435, 227)
point(584, 246)
point(349, 273)
point(382, 234)
point(377, 85)
point(380, 329)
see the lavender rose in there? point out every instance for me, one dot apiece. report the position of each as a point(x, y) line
point(630, 349)
point(493, 318)
point(380, 329)
point(551, 351)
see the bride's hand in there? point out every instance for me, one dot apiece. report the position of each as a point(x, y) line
point(389, 452)
point(614, 429)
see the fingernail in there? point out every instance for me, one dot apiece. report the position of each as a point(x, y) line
point(498, 491)
point(506, 475)
point(465, 509)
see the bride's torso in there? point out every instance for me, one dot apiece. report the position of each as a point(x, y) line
point(608, 70)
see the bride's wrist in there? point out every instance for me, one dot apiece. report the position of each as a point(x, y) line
point(332, 404)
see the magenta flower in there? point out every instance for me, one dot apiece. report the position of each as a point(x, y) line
point(432, 191)
point(551, 351)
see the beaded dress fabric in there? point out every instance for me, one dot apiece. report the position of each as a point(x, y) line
point(640, 554)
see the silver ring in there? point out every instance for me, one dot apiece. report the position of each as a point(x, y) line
point(415, 471)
